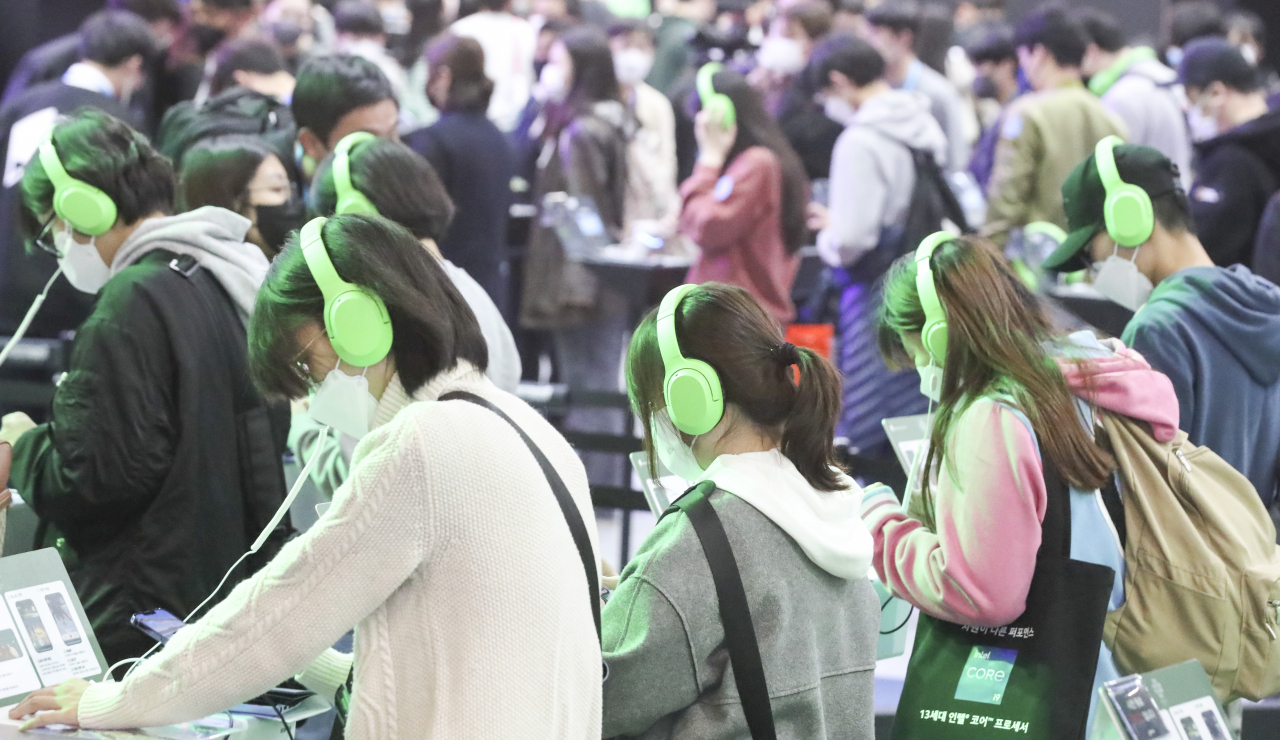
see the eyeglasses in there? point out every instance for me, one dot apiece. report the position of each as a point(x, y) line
point(300, 366)
point(45, 240)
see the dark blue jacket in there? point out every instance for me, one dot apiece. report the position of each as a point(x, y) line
point(1216, 333)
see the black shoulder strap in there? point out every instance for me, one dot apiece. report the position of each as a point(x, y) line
point(927, 166)
point(1055, 541)
point(567, 506)
point(735, 614)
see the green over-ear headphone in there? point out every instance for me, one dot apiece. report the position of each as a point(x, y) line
point(355, 319)
point(934, 334)
point(350, 200)
point(86, 208)
point(691, 387)
point(1127, 210)
point(716, 104)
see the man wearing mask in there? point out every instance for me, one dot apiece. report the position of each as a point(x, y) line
point(1215, 331)
point(192, 59)
point(1135, 86)
point(161, 463)
point(892, 29)
point(113, 47)
point(336, 95)
point(996, 61)
point(1237, 147)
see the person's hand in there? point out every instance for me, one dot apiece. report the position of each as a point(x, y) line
point(60, 705)
point(714, 138)
point(608, 575)
point(15, 425)
point(6, 496)
point(817, 217)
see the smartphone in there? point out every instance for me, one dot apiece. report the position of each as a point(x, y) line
point(62, 618)
point(158, 624)
point(35, 625)
point(9, 647)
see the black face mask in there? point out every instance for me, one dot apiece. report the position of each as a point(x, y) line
point(985, 87)
point(207, 37)
point(275, 223)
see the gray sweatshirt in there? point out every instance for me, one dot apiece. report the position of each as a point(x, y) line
point(669, 672)
point(872, 173)
point(1149, 100)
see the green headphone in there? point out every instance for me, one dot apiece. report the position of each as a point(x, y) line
point(86, 208)
point(713, 102)
point(1127, 210)
point(691, 387)
point(934, 333)
point(350, 200)
point(355, 319)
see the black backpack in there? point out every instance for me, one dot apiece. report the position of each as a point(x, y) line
point(234, 111)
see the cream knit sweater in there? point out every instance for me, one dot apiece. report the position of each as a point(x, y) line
point(448, 553)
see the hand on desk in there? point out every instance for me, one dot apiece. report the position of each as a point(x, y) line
point(15, 425)
point(60, 704)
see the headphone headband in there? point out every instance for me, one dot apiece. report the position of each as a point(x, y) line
point(705, 83)
point(53, 165)
point(1105, 155)
point(349, 198)
point(317, 256)
point(715, 103)
point(934, 333)
point(668, 345)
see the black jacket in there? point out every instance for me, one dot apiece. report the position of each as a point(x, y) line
point(161, 463)
point(44, 63)
point(1236, 173)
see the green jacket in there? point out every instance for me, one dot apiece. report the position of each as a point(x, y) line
point(1045, 135)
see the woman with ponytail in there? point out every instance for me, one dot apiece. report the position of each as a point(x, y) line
point(791, 517)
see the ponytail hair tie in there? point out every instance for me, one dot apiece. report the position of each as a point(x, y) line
point(786, 354)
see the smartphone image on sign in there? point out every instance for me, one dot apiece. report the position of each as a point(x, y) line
point(62, 618)
point(9, 647)
point(1216, 731)
point(158, 624)
point(35, 625)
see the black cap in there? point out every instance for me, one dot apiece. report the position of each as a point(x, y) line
point(1083, 197)
point(1212, 59)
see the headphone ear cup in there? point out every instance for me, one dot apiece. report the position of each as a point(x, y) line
point(1129, 215)
point(89, 211)
point(934, 339)
point(721, 107)
point(359, 328)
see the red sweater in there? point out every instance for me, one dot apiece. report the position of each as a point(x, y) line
point(737, 220)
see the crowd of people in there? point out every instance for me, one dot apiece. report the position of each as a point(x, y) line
point(349, 230)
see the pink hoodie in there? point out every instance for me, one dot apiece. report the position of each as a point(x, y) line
point(990, 499)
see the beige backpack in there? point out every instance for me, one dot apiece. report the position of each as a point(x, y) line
point(1202, 573)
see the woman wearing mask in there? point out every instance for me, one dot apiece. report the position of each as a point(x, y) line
point(416, 538)
point(1013, 401)
point(243, 175)
point(791, 517)
point(583, 154)
point(744, 204)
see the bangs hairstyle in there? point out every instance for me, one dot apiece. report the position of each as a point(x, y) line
point(400, 183)
point(433, 326)
point(996, 334)
point(725, 327)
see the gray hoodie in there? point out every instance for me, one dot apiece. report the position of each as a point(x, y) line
point(872, 173)
point(215, 238)
point(1149, 100)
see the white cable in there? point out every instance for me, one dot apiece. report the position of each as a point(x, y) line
point(26, 320)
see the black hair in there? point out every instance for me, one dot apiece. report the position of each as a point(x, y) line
point(247, 55)
point(898, 16)
point(934, 37)
point(432, 324)
point(1173, 211)
point(628, 26)
point(104, 152)
point(110, 37)
point(1052, 27)
point(856, 7)
point(813, 16)
point(230, 4)
point(150, 10)
point(494, 5)
point(397, 180)
point(1249, 23)
point(1192, 20)
point(358, 17)
point(594, 79)
point(469, 88)
point(217, 172)
point(329, 87)
point(757, 128)
point(1103, 29)
point(995, 45)
point(851, 57)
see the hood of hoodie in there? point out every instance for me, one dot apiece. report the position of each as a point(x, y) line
point(826, 525)
point(904, 116)
point(1239, 308)
point(1115, 378)
point(215, 238)
point(1261, 136)
point(1153, 70)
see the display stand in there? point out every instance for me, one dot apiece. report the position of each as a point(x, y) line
point(1173, 703)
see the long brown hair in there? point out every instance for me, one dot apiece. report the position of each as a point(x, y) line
point(996, 332)
point(725, 327)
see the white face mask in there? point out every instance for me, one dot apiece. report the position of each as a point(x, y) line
point(781, 54)
point(632, 65)
point(553, 85)
point(930, 381)
point(344, 402)
point(81, 263)
point(839, 110)
point(677, 456)
point(1201, 125)
point(1118, 279)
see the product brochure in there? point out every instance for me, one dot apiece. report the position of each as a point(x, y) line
point(1174, 703)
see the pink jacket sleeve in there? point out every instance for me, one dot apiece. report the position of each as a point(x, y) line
point(717, 220)
point(989, 502)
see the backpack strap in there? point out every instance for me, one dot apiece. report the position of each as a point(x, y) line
point(735, 614)
point(925, 164)
point(568, 508)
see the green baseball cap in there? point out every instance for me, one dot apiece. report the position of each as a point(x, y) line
point(1083, 196)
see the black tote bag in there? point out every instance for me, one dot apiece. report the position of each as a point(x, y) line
point(1032, 678)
